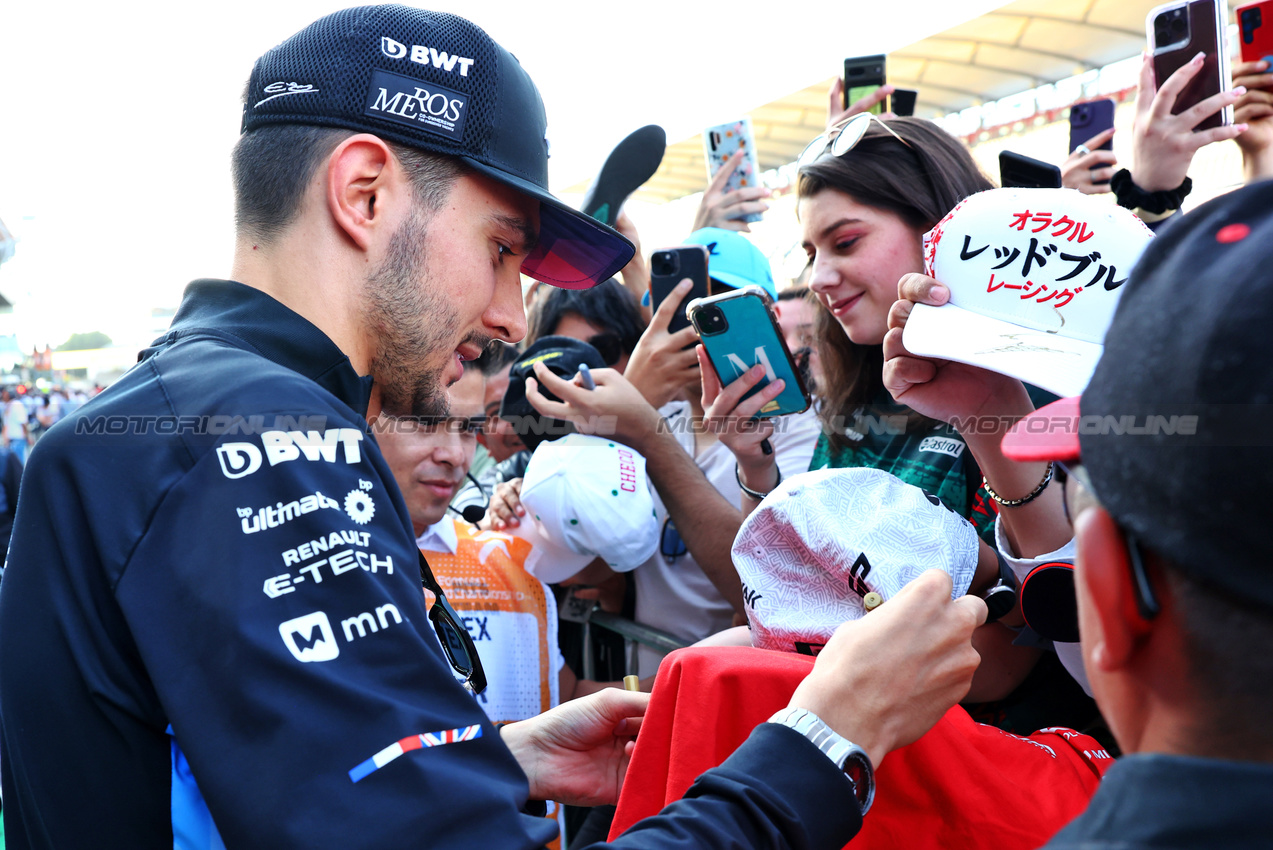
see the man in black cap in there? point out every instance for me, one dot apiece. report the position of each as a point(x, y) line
point(212, 631)
point(1166, 490)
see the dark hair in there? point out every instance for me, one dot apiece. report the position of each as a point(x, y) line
point(273, 166)
point(609, 306)
point(496, 357)
point(919, 182)
point(1228, 646)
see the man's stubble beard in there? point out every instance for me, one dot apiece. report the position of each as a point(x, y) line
point(413, 326)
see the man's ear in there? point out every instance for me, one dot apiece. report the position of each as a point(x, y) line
point(1105, 591)
point(361, 187)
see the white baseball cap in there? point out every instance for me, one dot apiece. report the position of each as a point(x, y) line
point(1034, 277)
point(822, 540)
point(586, 497)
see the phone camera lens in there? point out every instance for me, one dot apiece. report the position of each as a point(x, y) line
point(664, 263)
point(711, 321)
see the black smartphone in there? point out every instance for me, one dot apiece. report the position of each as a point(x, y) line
point(902, 102)
point(862, 76)
point(1179, 31)
point(1026, 172)
point(670, 266)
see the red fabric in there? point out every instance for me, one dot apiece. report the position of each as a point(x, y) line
point(962, 785)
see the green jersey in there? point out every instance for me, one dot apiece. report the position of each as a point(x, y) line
point(936, 460)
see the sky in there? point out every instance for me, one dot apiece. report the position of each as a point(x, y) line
point(117, 119)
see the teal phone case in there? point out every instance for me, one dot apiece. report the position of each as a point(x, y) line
point(752, 337)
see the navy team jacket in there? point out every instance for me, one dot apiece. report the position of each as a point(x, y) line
point(212, 631)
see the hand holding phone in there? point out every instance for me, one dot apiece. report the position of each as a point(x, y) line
point(739, 331)
point(722, 142)
point(863, 75)
point(1163, 141)
point(1178, 32)
point(668, 267)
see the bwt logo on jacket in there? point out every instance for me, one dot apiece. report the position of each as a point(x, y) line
point(422, 55)
point(242, 459)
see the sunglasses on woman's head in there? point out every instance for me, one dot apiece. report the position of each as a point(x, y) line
point(842, 138)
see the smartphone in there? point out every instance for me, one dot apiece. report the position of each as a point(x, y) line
point(1088, 119)
point(719, 144)
point(1179, 31)
point(862, 76)
point(902, 102)
point(670, 266)
point(1026, 172)
point(1255, 39)
point(739, 329)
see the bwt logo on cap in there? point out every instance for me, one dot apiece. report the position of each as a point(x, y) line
point(422, 55)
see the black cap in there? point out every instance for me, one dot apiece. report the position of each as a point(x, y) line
point(1178, 418)
point(439, 83)
point(562, 355)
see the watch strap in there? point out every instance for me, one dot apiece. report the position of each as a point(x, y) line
point(845, 754)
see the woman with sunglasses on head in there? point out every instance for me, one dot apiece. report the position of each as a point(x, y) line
point(867, 193)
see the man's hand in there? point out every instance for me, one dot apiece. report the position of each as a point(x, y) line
point(884, 680)
point(661, 365)
point(1163, 144)
point(727, 209)
point(835, 103)
point(1255, 110)
point(1077, 173)
point(578, 752)
point(614, 409)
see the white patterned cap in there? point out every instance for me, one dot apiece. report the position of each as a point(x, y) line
point(822, 540)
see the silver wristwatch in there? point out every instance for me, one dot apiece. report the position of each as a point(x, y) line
point(845, 754)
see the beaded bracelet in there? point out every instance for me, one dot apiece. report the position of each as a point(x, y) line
point(756, 494)
point(1016, 503)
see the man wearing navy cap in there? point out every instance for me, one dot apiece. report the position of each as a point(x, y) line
point(1167, 492)
point(212, 630)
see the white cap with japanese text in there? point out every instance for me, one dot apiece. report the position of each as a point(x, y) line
point(1034, 277)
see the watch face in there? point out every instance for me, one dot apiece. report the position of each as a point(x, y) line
point(858, 769)
point(1000, 599)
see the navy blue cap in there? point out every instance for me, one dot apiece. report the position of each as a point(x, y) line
point(1174, 427)
point(563, 355)
point(439, 83)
